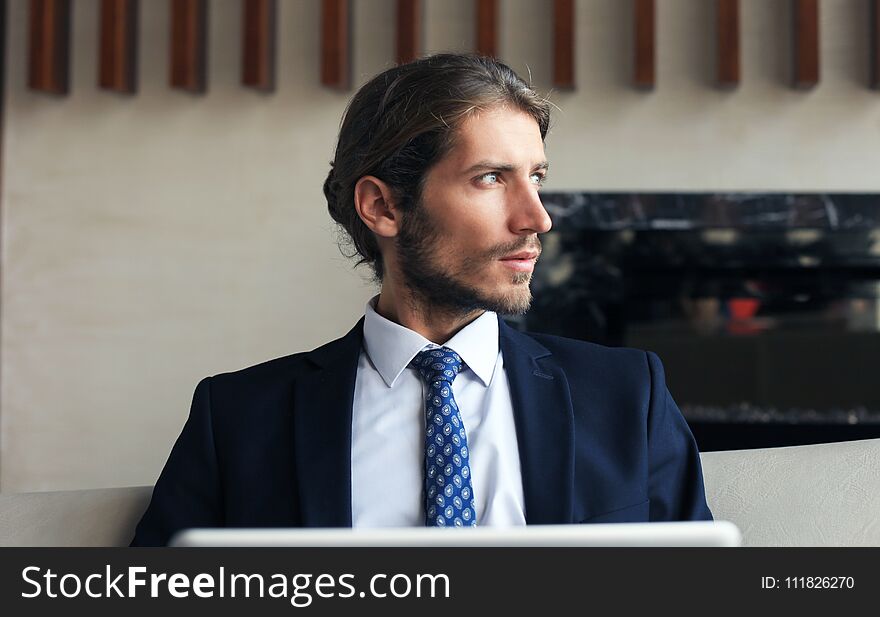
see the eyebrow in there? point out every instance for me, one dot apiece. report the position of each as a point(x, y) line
point(507, 167)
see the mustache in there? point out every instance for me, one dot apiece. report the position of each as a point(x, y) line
point(530, 243)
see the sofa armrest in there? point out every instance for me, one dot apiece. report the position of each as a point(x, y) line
point(93, 517)
point(816, 495)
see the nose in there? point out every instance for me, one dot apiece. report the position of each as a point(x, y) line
point(529, 216)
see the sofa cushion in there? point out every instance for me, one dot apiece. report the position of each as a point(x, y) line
point(93, 517)
point(817, 495)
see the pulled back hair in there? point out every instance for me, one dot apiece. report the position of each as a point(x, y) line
point(402, 122)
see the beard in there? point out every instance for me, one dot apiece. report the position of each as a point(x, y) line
point(444, 289)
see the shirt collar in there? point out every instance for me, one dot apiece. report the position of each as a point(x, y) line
point(391, 347)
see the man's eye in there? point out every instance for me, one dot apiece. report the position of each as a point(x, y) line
point(492, 175)
point(541, 178)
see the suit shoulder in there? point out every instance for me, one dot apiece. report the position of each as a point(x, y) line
point(340, 349)
point(625, 366)
point(269, 369)
point(568, 347)
point(278, 370)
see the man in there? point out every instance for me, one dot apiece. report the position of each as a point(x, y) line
point(431, 410)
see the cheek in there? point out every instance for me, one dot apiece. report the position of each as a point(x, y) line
point(468, 243)
point(466, 226)
point(471, 231)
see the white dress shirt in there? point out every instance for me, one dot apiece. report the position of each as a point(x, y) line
point(388, 426)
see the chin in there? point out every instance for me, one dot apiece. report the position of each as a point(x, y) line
point(515, 302)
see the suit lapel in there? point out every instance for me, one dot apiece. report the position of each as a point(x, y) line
point(544, 427)
point(322, 431)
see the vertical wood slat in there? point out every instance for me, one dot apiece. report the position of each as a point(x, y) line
point(727, 29)
point(409, 30)
point(644, 72)
point(258, 44)
point(563, 43)
point(49, 63)
point(335, 46)
point(189, 45)
point(806, 43)
point(117, 62)
point(3, 35)
point(487, 28)
point(875, 44)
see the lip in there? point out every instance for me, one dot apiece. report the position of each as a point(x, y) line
point(522, 255)
point(521, 262)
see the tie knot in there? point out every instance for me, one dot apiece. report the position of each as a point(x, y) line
point(439, 364)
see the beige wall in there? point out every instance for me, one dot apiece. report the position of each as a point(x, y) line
point(153, 240)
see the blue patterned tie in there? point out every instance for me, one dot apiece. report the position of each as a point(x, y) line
point(449, 498)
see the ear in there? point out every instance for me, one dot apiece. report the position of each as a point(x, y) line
point(374, 202)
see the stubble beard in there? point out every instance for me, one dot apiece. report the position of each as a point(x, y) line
point(437, 289)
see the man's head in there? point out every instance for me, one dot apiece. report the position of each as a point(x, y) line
point(435, 181)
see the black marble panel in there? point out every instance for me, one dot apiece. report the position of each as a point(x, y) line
point(670, 211)
point(765, 308)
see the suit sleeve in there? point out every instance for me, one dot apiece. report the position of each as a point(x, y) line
point(187, 493)
point(675, 482)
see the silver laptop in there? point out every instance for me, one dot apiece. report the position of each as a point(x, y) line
point(691, 533)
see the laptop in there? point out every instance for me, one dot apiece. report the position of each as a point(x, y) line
point(679, 534)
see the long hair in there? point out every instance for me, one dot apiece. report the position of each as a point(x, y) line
point(403, 121)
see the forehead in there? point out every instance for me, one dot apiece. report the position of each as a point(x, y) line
point(500, 134)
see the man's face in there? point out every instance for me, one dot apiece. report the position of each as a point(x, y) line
point(471, 243)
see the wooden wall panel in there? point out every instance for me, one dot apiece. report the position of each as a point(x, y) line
point(3, 21)
point(409, 30)
point(189, 33)
point(258, 44)
point(875, 44)
point(563, 44)
point(335, 71)
point(487, 28)
point(117, 61)
point(49, 62)
point(806, 43)
point(727, 28)
point(644, 73)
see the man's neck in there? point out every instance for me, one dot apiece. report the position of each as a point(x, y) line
point(438, 325)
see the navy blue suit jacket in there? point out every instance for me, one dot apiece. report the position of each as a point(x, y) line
point(600, 441)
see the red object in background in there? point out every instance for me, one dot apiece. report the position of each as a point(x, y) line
point(743, 308)
point(742, 313)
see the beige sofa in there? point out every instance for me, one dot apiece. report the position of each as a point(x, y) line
point(822, 495)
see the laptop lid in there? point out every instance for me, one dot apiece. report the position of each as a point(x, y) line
point(690, 533)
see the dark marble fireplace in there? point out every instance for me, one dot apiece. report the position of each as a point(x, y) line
point(765, 308)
